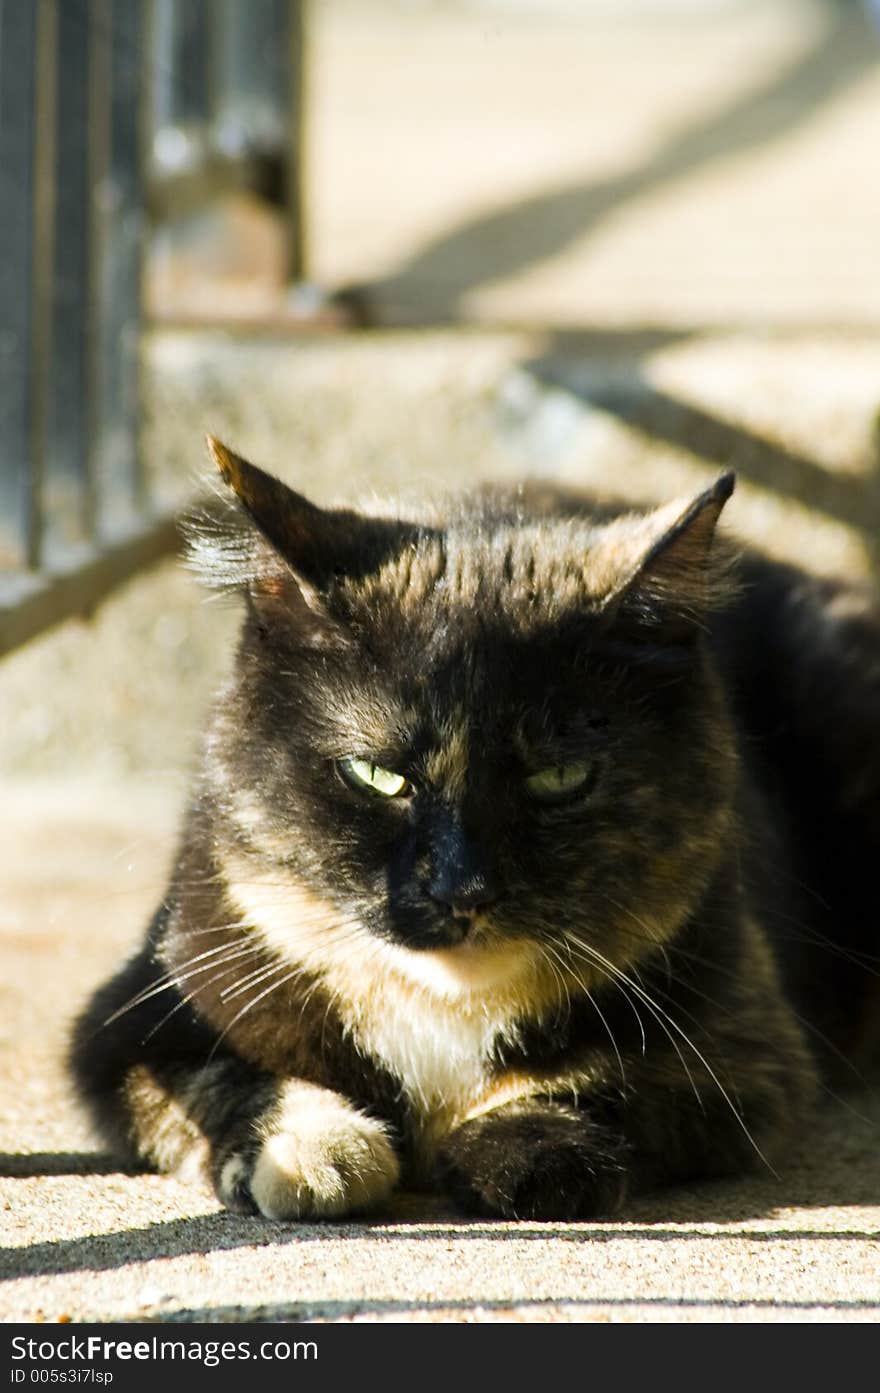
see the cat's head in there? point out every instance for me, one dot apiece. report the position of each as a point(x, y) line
point(482, 729)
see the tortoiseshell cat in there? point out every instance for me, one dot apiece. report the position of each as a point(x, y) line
point(533, 854)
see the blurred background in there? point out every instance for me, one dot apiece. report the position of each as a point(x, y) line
point(381, 245)
point(398, 244)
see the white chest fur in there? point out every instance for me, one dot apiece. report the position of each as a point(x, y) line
point(439, 1053)
point(431, 1019)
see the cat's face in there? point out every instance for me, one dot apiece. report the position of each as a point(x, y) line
point(485, 731)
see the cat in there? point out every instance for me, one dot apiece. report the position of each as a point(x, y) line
point(532, 857)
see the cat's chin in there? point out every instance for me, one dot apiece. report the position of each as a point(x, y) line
point(470, 967)
point(306, 930)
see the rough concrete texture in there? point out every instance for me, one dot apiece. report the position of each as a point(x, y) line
point(83, 866)
point(620, 185)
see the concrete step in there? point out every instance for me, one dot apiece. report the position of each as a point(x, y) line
point(637, 415)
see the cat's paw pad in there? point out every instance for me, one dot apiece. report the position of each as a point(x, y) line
point(534, 1162)
point(317, 1158)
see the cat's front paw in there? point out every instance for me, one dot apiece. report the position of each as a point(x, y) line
point(315, 1157)
point(534, 1160)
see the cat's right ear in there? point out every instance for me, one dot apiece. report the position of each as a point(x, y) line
point(295, 553)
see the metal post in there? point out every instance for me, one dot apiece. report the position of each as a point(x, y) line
point(296, 140)
point(181, 84)
point(225, 78)
point(18, 54)
point(68, 493)
point(120, 223)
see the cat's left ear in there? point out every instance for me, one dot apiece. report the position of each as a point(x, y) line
point(667, 572)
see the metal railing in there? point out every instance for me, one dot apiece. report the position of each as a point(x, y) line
point(114, 115)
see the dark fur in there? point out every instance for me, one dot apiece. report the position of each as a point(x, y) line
point(722, 854)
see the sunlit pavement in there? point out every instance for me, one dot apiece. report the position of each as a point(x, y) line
point(663, 238)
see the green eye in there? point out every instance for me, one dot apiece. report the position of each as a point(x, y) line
point(372, 778)
point(550, 785)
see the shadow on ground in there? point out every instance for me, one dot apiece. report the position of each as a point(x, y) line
point(830, 1171)
point(616, 383)
point(503, 243)
point(548, 1308)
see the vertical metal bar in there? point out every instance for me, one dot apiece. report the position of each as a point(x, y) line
point(181, 84)
point(68, 496)
point(97, 158)
point(119, 211)
point(295, 145)
point(18, 55)
point(252, 64)
point(41, 287)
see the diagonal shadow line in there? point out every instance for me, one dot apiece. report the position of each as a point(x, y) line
point(223, 1232)
point(500, 244)
point(164, 1239)
point(849, 498)
point(23, 1164)
point(332, 1310)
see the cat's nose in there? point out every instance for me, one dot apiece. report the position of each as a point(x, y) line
point(462, 874)
point(465, 899)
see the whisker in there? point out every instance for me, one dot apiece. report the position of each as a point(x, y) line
point(185, 1000)
point(679, 951)
point(293, 972)
point(177, 975)
point(654, 1007)
point(602, 1017)
point(558, 975)
point(598, 958)
point(624, 993)
point(251, 979)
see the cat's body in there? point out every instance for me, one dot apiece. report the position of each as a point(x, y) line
point(531, 856)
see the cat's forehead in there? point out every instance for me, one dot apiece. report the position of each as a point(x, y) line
point(476, 632)
point(470, 572)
